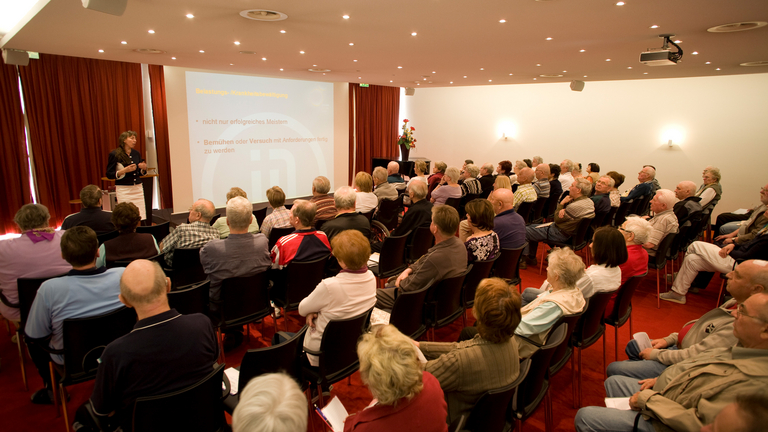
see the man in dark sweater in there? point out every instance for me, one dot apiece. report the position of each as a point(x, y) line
point(91, 215)
point(347, 218)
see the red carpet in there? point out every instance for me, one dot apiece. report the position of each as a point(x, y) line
point(19, 414)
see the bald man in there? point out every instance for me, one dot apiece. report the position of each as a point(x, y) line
point(525, 192)
point(508, 225)
point(165, 352)
point(689, 203)
point(541, 185)
point(195, 234)
point(393, 173)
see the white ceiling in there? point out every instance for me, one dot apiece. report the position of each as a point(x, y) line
point(454, 38)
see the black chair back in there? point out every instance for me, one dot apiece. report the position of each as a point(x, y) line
point(622, 305)
point(579, 239)
point(524, 210)
point(659, 260)
point(408, 312)
point(260, 215)
point(301, 279)
point(338, 350)
point(643, 206)
point(186, 267)
point(197, 407)
point(191, 298)
point(679, 241)
point(591, 325)
point(609, 217)
point(27, 292)
point(389, 211)
point(551, 205)
point(538, 208)
point(214, 218)
point(392, 256)
point(107, 236)
point(621, 214)
point(85, 339)
point(421, 240)
point(507, 266)
point(159, 232)
point(369, 215)
point(564, 350)
point(283, 357)
point(454, 202)
point(490, 411)
point(276, 233)
point(244, 300)
point(480, 270)
point(445, 300)
point(319, 224)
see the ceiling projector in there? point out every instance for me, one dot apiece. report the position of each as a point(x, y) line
point(662, 56)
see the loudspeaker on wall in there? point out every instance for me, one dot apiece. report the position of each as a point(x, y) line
point(410, 91)
point(112, 7)
point(577, 85)
point(14, 57)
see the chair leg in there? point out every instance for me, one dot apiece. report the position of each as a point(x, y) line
point(53, 388)
point(63, 396)
point(604, 353)
point(717, 301)
point(21, 360)
point(285, 319)
point(658, 287)
point(548, 418)
point(220, 338)
point(573, 377)
point(630, 326)
point(616, 343)
point(518, 425)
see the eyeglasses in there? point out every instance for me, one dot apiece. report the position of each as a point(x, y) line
point(626, 230)
point(742, 311)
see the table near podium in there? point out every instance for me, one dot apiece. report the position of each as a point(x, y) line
point(147, 184)
point(406, 167)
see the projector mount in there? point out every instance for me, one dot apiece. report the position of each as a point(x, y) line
point(676, 57)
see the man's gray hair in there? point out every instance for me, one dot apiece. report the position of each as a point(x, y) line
point(305, 211)
point(419, 189)
point(538, 160)
point(271, 403)
point(321, 184)
point(584, 186)
point(205, 208)
point(31, 216)
point(380, 174)
point(473, 170)
point(640, 227)
point(566, 264)
point(453, 173)
point(344, 198)
point(666, 197)
point(520, 164)
point(488, 167)
point(90, 196)
point(608, 179)
point(568, 166)
point(650, 171)
point(239, 213)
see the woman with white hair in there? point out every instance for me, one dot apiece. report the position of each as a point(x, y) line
point(406, 398)
point(449, 187)
point(710, 190)
point(271, 403)
point(636, 231)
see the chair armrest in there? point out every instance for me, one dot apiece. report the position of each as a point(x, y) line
point(43, 344)
point(536, 344)
point(7, 302)
point(227, 387)
point(309, 351)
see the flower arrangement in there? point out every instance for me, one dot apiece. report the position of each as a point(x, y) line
point(407, 139)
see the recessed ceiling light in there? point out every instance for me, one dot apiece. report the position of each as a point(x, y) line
point(465, 76)
point(202, 51)
point(620, 3)
point(717, 68)
point(173, 58)
point(510, 74)
point(502, 21)
point(645, 73)
point(629, 67)
point(351, 44)
point(490, 80)
point(418, 84)
point(414, 34)
point(482, 68)
point(534, 79)
point(654, 26)
point(282, 31)
point(549, 38)
point(451, 82)
point(101, 51)
point(359, 77)
point(237, 42)
point(354, 61)
point(301, 52)
point(585, 76)
point(538, 64)
point(281, 69)
point(151, 31)
point(124, 43)
point(678, 41)
point(390, 80)
point(607, 59)
point(231, 64)
point(425, 79)
point(565, 71)
point(707, 62)
point(695, 53)
point(399, 67)
point(434, 72)
point(582, 50)
point(190, 16)
point(263, 58)
point(314, 65)
point(345, 16)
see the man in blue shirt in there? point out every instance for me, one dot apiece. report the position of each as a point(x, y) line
point(645, 177)
point(84, 292)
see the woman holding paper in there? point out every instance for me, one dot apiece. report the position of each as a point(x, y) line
point(126, 167)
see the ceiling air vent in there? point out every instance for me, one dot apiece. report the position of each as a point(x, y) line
point(755, 63)
point(149, 51)
point(735, 27)
point(263, 15)
point(318, 70)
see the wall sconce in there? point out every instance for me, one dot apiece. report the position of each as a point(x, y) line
point(672, 135)
point(507, 129)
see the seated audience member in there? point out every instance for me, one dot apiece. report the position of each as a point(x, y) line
point(748, 414)
point(745, 231)
point(555, 187)
point(393, 173)
point(730, 222)
point(688, 204)
point(446, 259)
point(195, 234)
point(165, 352)
point(271, 403)
point(304, 244)
point(483, 243)
point(710, 190)
point(576, 173)
point(448, 188)
point(91, 215)
point(420, 168)
point(471, 185)
point(507, 224)
point(593, 172)
point(664, 220)
point(350, 293)
point(436, 177)
point(703, 256)
point(690, 393)
point(489, 360)
point(568, 214)
point(221, 223)
point(419, 213)
point(407, 399)
point(602, 197)
point(563, 298)
point(383, 189)
point(566, 174)
point(502, 182)
point(486, 179)
point(526, 191)
point(84, 292)
point(366, 200)
point(464, 167)
point(239, 255)
point(541, 185)
point(516, 168)
point(604, 275)
point(346, 217)
point(645, 188)
point(655, 183)
point(322, 201)
point(615, 195)
point(713, 330)
point(36, 254)
point(529, 163)
point(129, 245)
point(280, 216)
point(504, 168)
point(636, 232)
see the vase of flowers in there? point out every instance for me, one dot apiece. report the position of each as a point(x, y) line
point(406, 141)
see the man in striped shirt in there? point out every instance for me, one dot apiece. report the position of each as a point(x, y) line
point(195, 234)
point(326, 209)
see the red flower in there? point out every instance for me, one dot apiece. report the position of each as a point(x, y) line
point(405, 121)
point(414, 140)
point(413, 128)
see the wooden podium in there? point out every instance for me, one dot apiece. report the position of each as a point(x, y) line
point(146, 182)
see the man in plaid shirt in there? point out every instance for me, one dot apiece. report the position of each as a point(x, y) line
point(195, 234)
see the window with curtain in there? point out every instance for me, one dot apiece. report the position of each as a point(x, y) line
point(373, 125)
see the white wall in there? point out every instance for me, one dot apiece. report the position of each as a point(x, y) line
point(618, 124)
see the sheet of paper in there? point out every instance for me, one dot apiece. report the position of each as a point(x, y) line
point(544, 225)
point(379, 317)
point(740, 211)
point(374, 258)
point(420, 355)
point(642, 339)
point(621, 403)
point(335, 412)
point(233, 375)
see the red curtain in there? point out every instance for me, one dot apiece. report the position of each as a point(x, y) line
point(13, 163)
point(77, 108)
point(373, 125)
point(162, 143)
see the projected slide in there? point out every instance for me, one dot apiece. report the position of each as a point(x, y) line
point(255, 133)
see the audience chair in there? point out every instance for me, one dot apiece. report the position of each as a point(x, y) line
point(622, 309)
point(420, 242)
point(524, 210)
point(564, 351)
point(659, 261)
point(454, 202)
point(535, 386)
point(480, 270)
point(276, 233)
point(621, 214)
point(260, 215)
point(388, 212)
point(464, 200)
point(191, 298)
point(214, 218)
point(197, 407)
point(107, 236)
point(609, 217)
point(284, 357)
point(159, 232)
point(673, 253)
point(391, 258)
point(84, 341)
point(577, 242)
point(186, 268)
point(723, 278)
point(378, 232)
point(243, 300)
point(490, 411)
point(536, 211)
point(369, 215)
point(319, 224)
point(507, 266)
point(338, 352)
point(589, 329)
point(295, 283)
point(551, 206)
point(408, 312)
point(444, 302)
